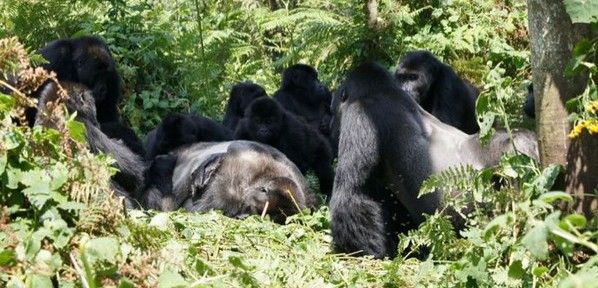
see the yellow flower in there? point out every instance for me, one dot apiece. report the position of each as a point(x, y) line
point(593, 107)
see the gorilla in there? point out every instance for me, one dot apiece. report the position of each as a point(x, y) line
point(87, 60)
point(240, 178)
point(129, 179)
point(530, 102)
point(117, 130)
point(177, 130)
point(240, 96)
point(388, 146)
point(302, 94)
point(267, 122)
point(439, 90)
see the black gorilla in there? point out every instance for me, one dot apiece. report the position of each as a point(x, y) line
point(388, 146)
point(177, 130)
point(267, 122)
point(529, 107)
point(240, 96)
point(439, 90)
point(302, 94)
point(117, 130)
point(129, 179)
point(87, 60)
point(240, 178)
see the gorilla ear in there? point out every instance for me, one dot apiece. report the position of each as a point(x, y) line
point(203, 174)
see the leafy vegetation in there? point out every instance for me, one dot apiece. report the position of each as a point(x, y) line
point(60, 225)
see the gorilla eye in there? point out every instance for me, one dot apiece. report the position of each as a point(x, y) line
point(263, 189)
point(344, 95)
point(408, 76)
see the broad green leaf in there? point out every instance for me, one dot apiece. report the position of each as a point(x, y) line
point(77, 130)
point(516, 270)
point(582, 11)
point(535, 241)
point(171, 279)
point(550, 197)
point(3, 161)
point(100, 249)
point(38, 281)
point(576, 220)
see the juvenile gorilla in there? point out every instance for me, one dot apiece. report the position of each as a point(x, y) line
point(439, 90)
point(240, 178)
point(388, 146)
point(240, 96)
point(267, 122)
point(302, 94)
point(177, 130)
point(128, 181)
point(87, 60)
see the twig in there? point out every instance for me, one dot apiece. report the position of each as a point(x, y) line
point(79, 271)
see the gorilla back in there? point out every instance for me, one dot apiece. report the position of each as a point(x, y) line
point(388, 146)
point(240, 178)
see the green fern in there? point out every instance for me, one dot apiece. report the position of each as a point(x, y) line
point(460, 178)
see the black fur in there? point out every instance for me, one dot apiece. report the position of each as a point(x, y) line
point(240, 178)
point(129, 179)
point(267, 122)
point(302, 94)
point(529, 107)
point(87, 60)
point(177, 130)
point(240, 96)
point(388, 145)
point(439, 90)
point(118, 130)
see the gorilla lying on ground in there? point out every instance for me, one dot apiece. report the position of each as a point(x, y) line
point(302, 94)
point(241, 178)
point(177, 130)
point(388, 147)
point(130, 178)
point(267, 122)
point(439, 90)
point(117, 130)
point(240, 96)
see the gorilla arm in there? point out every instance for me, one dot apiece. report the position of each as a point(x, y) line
point(358, 224)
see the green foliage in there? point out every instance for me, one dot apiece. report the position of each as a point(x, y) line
point(582, 11)
point(59, 225)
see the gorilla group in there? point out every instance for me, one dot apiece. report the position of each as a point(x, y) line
point(388, 132)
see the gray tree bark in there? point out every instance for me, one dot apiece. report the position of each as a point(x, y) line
point(553, 37)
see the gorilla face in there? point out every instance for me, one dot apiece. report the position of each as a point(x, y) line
point(415, 83)
point(94, 65)
point(275, 196)
point(265, 119)
point(305, 77)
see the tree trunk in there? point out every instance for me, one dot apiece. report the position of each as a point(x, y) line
point(552, 39)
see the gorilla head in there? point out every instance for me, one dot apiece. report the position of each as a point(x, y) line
point(240, 96)
point(439, 90)
point(265, 117)
point(416, 73)
point(303, 79)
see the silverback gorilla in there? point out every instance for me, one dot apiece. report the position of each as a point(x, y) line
point(388, 146)
point(439, 90)
point(267, 122)
point(302, 94)
point(128, 181)
point(240, 96)
point(240, 178)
